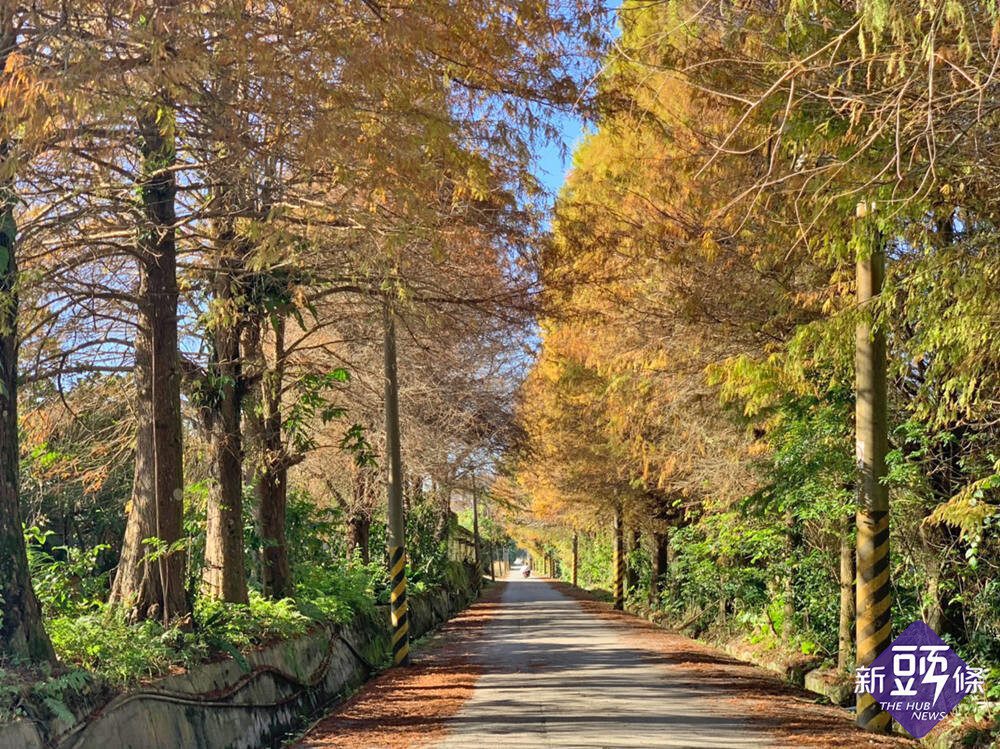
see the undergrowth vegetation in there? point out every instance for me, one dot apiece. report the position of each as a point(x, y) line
point(330, 586)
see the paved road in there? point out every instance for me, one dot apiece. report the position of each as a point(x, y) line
point(557, 676)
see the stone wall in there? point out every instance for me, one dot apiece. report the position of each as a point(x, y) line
point(221, 705)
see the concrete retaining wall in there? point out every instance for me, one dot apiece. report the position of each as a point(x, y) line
point(221, 705)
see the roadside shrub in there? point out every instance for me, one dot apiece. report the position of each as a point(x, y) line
point(65, 578)
point(123, 653)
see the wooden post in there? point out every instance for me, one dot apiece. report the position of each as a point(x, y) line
point(399, 610)
point(874, 597)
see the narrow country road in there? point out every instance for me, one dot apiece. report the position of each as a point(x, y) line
point(533, 666)
point(556, 675)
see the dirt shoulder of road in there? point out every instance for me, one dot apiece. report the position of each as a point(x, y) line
point(795, 717)
point(410, 706)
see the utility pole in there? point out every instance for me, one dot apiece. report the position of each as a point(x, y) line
point(576, 556)
point(399, 609)
point(619, 560)
point(874, 597)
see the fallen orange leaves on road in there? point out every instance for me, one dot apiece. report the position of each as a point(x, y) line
point(793, 716)
point(411, 706)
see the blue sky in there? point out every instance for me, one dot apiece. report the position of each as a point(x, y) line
point(550, 165)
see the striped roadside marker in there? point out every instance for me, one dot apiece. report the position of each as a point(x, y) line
point(399, 607)
point(874, 594)
point(874, 600)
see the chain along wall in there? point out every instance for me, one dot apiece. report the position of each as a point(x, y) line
point(223, 704)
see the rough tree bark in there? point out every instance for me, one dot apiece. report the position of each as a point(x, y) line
point(576, 556)
point(946, 477)
point(660, 546)
point(631, 572)
point(619, 560)
point(224, 574)
point(359, 518)
point(475, 522)
point(155, 588)
point(271, 472)
point(22, 635)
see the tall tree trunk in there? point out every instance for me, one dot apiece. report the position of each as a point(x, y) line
point(475, 522)
point(631, 570)
point(619, 561)
point(442, 501)
point(359, 515)
point(155, 588)
point(224, 575)
point(932, 611)
point(270, 477)
point(660, 546)
point(946, 477)
point(22, 635)
point(576, 556)
point(359, 527)
point(271, 489)
point(845, 638)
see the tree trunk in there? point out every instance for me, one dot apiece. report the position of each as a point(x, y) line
point(475, 521)
point(576, 556)
point(631, 571)
point(946, 477)
point(272, 503)
point(22, 635)
point(224, 575)
point(845, 639)
point(359, 527)
point(932, 611)
point(619, 561)
point(442, 501)
point(155, 588)
point(359, 514)
point(660, 545)
point(270, 479)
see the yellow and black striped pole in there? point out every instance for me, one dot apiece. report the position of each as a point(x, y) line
point(399, 610)
point(619, 560)
point(874, 596)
